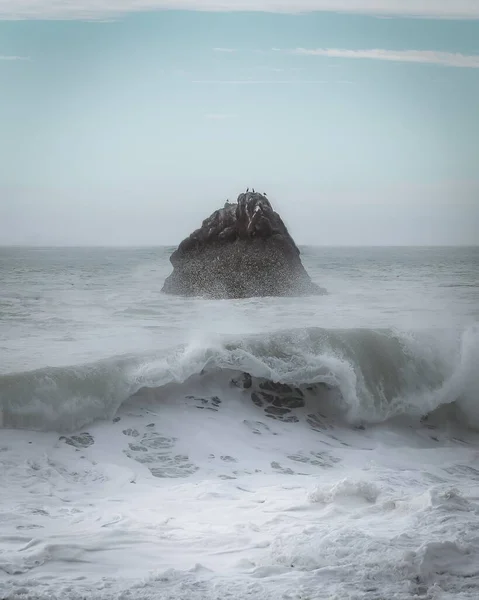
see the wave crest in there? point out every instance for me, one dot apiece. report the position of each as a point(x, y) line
point(377, 374)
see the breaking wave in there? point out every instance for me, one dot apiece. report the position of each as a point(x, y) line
point(363, 375)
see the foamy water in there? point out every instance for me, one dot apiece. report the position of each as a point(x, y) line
point(160, 447)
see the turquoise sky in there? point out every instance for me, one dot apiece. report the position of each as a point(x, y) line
point(362, 130)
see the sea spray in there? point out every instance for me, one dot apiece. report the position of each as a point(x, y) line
point(377, 374)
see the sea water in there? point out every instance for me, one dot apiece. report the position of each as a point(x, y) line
point(153, 446)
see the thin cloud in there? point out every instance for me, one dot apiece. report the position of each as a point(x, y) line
point(14, 57)
point(101, 9)
point(430, 57)
point(227, 50)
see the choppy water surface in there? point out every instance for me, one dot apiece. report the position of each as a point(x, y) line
point(160, 447)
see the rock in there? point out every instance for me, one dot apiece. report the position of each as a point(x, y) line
point(242, 250)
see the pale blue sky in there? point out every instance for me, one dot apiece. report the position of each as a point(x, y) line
point(363, 130)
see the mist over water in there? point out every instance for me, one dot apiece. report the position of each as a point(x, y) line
point(257, 448)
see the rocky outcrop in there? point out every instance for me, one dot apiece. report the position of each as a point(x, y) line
point(242, 250)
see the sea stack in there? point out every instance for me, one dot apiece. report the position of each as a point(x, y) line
point(241, 251)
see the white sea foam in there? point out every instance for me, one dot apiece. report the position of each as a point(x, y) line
point(138, 461)
point(378, 375)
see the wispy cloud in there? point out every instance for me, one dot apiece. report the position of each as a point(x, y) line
point(3, 57)
point(431, 57)
point(227, 50)
point(99, 9)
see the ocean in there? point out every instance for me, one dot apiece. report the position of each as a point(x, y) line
point(157, 447)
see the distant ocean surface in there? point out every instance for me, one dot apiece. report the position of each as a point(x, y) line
point(324, 447)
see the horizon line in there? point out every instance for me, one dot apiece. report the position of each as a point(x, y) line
point(135, 246)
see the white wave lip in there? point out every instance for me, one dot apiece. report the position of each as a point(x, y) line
point(374, 375)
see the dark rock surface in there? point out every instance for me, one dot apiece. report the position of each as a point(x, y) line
point(241, 251)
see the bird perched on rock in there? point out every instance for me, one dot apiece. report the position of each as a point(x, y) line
point(242, 251)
